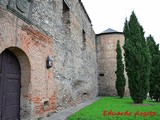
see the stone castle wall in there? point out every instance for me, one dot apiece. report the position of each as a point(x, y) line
point(75, 67)
point(62, 29)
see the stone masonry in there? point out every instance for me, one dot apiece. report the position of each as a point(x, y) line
point(106, 55)
point(33, 30)
point(62, 29)
point(75, 67)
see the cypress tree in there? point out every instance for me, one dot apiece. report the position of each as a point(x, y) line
point(154, 91)
point(120, 81)
point(137, 59)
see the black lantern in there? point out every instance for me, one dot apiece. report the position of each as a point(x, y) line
point(49, 61)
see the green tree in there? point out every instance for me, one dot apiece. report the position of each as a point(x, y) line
point(154, 91)
point(120, 81)
point(137, 59)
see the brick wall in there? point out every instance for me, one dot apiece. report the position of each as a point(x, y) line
point(31, 48)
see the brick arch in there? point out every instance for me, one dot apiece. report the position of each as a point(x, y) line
point(32, 48)
point(25, 106)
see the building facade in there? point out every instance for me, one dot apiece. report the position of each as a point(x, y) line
point(48, 57)
point(32, 30)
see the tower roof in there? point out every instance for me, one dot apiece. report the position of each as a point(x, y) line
point(109, 30)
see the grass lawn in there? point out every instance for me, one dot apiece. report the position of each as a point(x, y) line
point(114, 108)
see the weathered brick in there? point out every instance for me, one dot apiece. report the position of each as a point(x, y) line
point(31, 48)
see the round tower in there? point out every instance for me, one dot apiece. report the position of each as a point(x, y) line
point(106, 55)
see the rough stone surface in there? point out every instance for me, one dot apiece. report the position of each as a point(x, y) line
point(106, 55)
point(57, 31)
point(75, 69)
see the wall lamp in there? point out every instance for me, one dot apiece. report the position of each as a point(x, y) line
point(49, 62)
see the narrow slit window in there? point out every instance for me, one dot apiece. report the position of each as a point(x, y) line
point(84, 40)
point(66, 16)
point(101, 74)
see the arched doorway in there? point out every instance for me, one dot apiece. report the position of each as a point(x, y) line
point(10, 78)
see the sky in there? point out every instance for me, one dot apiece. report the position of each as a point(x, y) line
point(106, 14)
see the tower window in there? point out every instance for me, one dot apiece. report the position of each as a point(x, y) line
point(66, 16)
point(101, 74)
point(84, 40)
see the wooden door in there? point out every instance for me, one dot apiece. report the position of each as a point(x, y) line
point(9, 86)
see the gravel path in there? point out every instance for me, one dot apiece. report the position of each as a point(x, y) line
point(62, 115)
